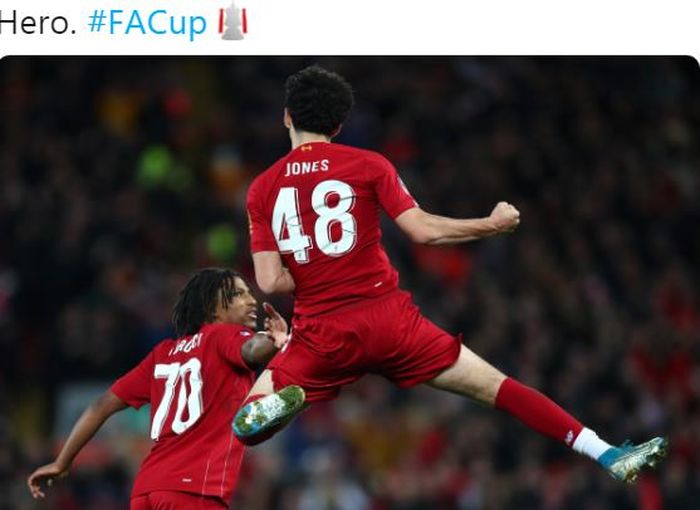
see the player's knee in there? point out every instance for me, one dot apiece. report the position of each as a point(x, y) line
point(472, 377)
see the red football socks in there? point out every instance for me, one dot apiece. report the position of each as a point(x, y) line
point(537, 411)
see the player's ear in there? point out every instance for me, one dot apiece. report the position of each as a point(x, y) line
point(287, 119)
point(336, 131)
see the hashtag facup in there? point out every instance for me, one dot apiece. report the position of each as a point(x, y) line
point(157, 22)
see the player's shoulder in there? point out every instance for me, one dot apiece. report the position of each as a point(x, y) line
point(222, 329)
point(260, 185)
point(270, 172)
point(373, 158)
point(350, 150)
point(374, 164)
point(163, 348)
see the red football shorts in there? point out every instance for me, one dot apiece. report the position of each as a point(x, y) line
point(387, 336)
point(174, 500)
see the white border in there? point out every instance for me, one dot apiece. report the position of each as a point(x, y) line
point(388, 27)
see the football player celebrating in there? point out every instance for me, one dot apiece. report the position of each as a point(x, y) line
point(314, 220)
point(194, 383)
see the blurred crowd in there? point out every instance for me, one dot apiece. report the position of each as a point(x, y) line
point(119, 176)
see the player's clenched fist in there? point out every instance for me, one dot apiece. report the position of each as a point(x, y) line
point(505, 217)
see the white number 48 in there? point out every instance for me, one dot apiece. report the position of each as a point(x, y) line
point(285, 215)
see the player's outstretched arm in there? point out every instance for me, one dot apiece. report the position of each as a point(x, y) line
point(86, 426)
point(270, 275)
point(425, 228)
point(264, 345)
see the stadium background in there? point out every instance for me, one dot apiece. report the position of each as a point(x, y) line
point(119, 176)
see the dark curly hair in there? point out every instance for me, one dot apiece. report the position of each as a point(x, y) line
point(318, 100)
point(196, 302)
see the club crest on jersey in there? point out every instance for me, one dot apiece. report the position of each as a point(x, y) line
point(307, 167)
point(186, 345)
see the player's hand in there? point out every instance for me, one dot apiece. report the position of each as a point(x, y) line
point(47, 474)
point(505, 217)
point(275, 326)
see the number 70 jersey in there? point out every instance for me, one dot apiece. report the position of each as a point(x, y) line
point(319, 208)
point(195, 385)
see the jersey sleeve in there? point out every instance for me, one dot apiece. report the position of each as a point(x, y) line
point(392, 193)
point(134, 387)
point(230, 339)
point(259, 225)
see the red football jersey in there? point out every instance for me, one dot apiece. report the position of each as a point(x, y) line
point(319, 207)
point(195, 385)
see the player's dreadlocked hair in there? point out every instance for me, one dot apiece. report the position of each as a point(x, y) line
point(196, 302)
point(318, 100)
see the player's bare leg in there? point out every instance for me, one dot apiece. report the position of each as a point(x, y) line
point(263, 385)
point(473, 377)
point(265, 412)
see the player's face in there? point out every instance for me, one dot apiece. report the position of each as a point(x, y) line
point(243, 309)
